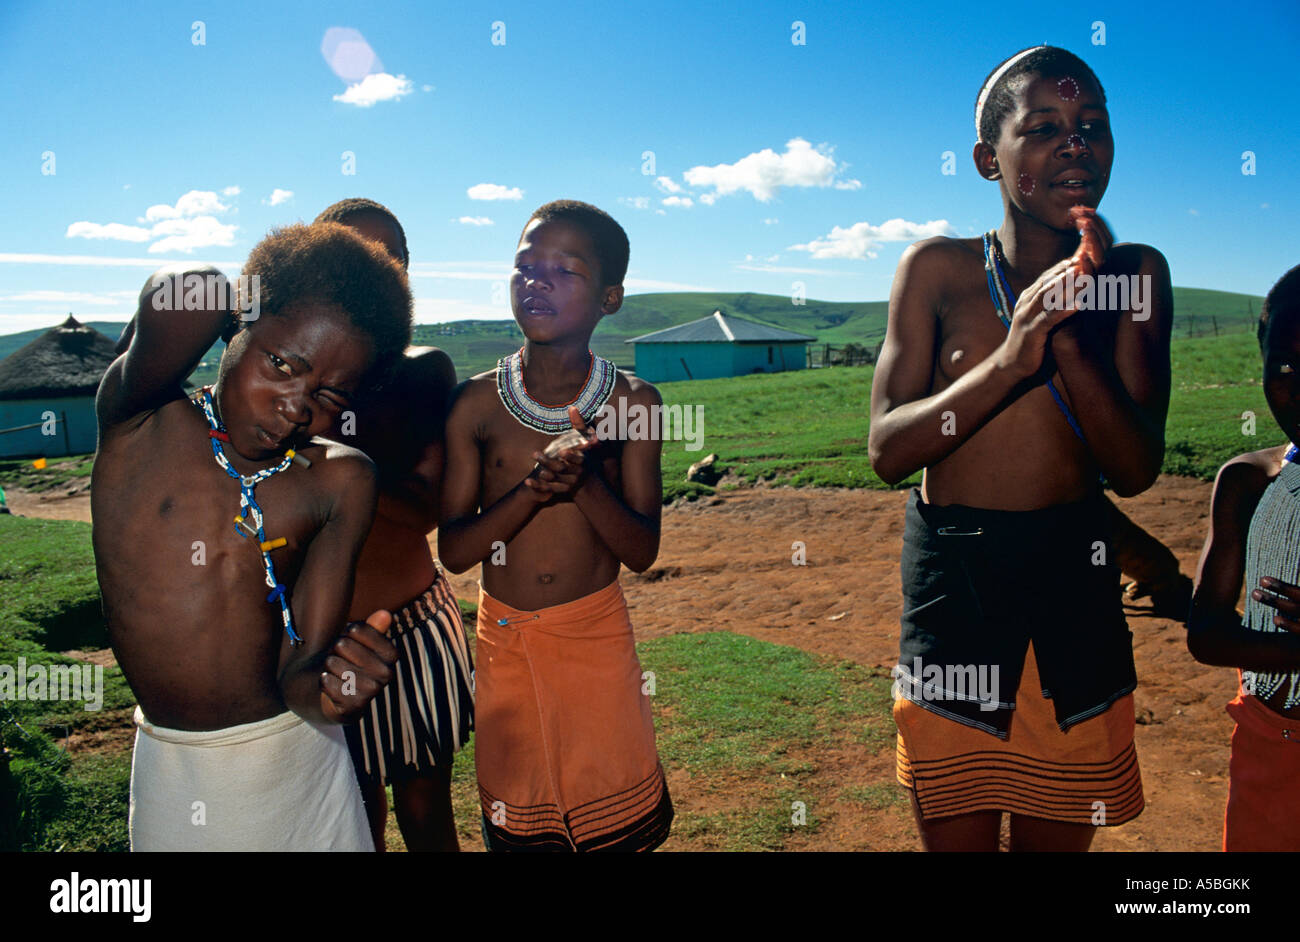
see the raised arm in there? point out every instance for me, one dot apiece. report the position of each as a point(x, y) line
point(168, 336)
point(1121, 401)
point(1215, 634)
point(906, 421)
point(629, 525)
point(320, 605)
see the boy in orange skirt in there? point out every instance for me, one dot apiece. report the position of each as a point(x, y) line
point(564, 740)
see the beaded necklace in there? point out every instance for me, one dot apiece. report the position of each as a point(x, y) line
point(248, 506)
point(1004, 300)
point(553, 420)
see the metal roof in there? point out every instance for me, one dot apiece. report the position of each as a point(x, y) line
point(722, 328)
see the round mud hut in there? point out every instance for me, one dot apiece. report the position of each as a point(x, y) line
point(47, 392)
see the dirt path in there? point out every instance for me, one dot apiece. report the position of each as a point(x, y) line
point(725, 564)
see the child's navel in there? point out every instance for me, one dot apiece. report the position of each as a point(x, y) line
point(546, 578)
point(165, 507)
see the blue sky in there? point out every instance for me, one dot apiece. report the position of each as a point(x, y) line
point(794, 158)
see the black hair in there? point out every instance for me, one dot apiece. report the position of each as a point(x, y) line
point(1001, 101)
point(332, 264)
point(607, 236)
point(344, 210)
point(1281, 305)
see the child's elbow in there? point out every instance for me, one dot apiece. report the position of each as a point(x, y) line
point(888, 471)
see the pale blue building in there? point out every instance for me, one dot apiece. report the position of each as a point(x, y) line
point(718, 345)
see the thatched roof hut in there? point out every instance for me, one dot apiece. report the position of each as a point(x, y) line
point(47, 392)
point(68, 360)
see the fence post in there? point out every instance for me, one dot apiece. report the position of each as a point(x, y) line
point(67, 442)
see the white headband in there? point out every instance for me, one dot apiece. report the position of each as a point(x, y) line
point(993, 81)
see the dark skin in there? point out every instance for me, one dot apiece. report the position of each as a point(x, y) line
point(199, 644)
point(395, 564)
point(567, 522)
point(1215, 634)
point(946, 351)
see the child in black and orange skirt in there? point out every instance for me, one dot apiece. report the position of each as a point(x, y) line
point(1018, 394)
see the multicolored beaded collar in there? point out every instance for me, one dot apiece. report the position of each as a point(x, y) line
point(248, 507)
point(553, 420)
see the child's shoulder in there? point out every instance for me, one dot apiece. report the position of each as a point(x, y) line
point(636, 389)
point(474, 395)
point(1245, 477)
point(943, 251)
point(934, 265)
point(1138, 258)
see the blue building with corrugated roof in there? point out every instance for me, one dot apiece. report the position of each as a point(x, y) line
point(718, 345)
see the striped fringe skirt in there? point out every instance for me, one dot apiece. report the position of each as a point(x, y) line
point(1087, 775)
point(426, 711)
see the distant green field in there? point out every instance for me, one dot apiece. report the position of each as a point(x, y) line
point(810, 427)
point(476, 345)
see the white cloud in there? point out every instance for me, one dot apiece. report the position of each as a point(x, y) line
point(98, 261)
point(771, 221)
point(684, 201)
point(184, 227)
point(426, 88)
point(649, 284)
point(230, 191)
point(186, 235)
point(461, 271)
point(441, 310)
point(788, 270)
point(667, 185)
point(475, 221)
point(278, 196)
point(376, 87)
point(193, 203)
point(112, 230)
point(636, 202)
point(73, 297)
point(763, 173)
point(862, 239)
point(494, 191)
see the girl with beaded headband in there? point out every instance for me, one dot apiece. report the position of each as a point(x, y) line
point(1015, 407)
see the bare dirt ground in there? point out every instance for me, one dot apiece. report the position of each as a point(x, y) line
point(725, 564)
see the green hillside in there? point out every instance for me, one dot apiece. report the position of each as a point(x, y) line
point(476, 345)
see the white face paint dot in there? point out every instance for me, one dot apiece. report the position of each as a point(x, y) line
point(1076, 142)
point(1067, 88)
point(1026, 184)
